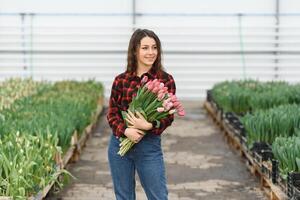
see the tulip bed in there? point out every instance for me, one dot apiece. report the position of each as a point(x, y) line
point(38, 125)
point(287, 151)
point(267, 125)
point(17, 88)
point(269, 112)
point(242, 97)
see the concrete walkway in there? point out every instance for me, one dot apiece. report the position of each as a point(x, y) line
point(199, 164)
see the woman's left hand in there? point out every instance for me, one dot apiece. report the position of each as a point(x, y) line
point(138, 122)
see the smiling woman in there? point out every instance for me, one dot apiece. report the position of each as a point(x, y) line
point(147, 54)
point(145, 157)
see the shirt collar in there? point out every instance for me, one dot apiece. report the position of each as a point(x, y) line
point(151, 74)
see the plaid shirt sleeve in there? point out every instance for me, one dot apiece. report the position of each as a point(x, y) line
point(114, 116)
point(164, 123)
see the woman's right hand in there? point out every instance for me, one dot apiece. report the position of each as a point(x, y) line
point(135, 135)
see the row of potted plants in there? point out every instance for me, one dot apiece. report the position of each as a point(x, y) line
point(268, 113)
point(246, 96)
point(38, 127)
point(16, 88)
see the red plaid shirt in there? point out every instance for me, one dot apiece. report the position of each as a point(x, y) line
point(124, 87)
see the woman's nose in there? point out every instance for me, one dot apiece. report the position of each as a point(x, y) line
point(150, 51)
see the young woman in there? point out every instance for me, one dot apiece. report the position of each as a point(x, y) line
point(145, 157)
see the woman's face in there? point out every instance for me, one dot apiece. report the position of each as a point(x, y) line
point(147, 52)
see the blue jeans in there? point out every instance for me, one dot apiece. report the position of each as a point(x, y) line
point(144, 157)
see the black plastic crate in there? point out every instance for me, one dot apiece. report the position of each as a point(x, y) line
point(293, 184)
point(235, 123)
point(263, 155)
point(261, 147)
point(227, 116)
point(209, 97)
point(296, 194)
point(275, 171)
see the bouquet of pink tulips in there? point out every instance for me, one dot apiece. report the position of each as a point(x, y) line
point(154, 103)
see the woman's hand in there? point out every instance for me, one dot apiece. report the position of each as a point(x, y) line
point(135, 135)
point(138, 122)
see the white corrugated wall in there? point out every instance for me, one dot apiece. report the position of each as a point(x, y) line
point(204, 42)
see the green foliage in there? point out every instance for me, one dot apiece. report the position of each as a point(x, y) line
point(26, 163)
point(287, 152)
point(14, 89)
point(241, 97)
point(63, 108)
point(35, 126)
point(266, 125)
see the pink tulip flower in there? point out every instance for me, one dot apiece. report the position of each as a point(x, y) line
point(172, 111)
point(165, 103)
point(157, 85)
point(174, 98)
point(176, 104)
point(161, 86)
point(160, 109)
point(179, 105)
point(168, 100)
point(155, 90)
point(169, 106)
point(160, 96)
point(160, 91)
point(150, 85)
point(154, 81)
point(181, 113)
point(144, 80)
point(165, 89)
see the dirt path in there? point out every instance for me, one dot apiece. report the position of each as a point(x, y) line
point(199, 164)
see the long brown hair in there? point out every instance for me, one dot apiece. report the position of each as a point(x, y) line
point(135, 42)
